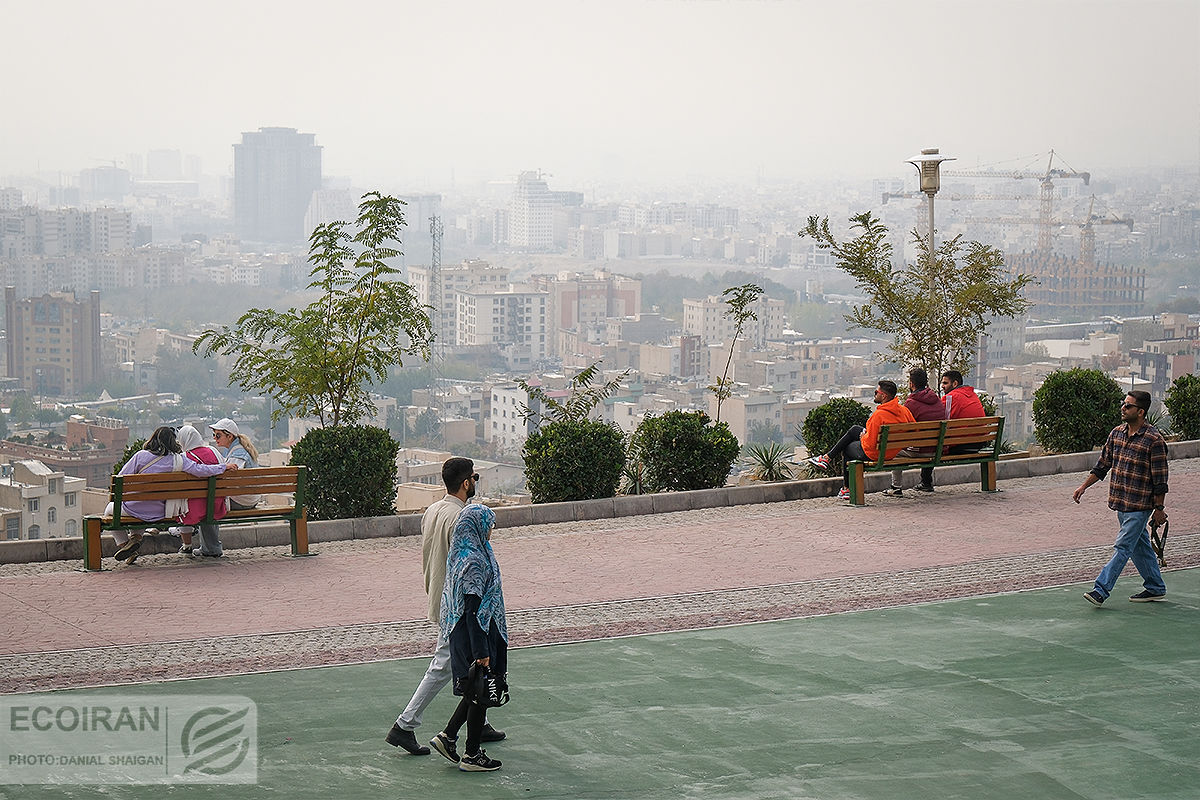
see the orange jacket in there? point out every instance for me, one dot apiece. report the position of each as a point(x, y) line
point(885, 414)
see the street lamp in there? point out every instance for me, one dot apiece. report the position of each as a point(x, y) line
point(212, 389)
point(928, 166)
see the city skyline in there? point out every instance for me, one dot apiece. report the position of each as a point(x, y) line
point(427, 95)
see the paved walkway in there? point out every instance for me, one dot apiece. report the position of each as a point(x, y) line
point(362, 601)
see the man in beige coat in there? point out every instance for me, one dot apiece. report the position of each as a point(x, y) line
point(437, 525)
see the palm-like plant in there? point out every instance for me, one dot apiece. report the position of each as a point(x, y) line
point(578, 405)
point(768, 462)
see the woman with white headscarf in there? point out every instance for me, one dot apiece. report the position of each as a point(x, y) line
point(473, 622)
point(194, 448)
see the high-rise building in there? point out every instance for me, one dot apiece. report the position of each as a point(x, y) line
point(531, 214)
point(53, 342)
point(275, 172)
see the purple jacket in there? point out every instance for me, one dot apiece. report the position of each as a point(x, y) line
point(144, 461)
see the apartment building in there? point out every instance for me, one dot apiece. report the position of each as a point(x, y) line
point(48, 501)
point(53, 342)
point(707, 319)
point(443, 295)
point(512, 320)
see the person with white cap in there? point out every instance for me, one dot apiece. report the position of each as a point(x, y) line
point(235, 448)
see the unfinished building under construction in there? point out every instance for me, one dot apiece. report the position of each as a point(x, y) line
point(1072, 287)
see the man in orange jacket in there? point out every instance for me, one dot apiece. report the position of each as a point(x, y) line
point(862, 444)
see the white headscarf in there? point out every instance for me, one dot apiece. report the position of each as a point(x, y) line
point(189, 438)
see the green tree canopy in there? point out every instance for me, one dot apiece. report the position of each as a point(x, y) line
point(1074, 410)
point(320, 361)
point(935, 309)
point(1183, 401)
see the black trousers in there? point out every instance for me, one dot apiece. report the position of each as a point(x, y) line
point(474, 715)
point(956, 450)
point(849, 448)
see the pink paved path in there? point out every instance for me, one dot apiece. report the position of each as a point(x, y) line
point(165, 599)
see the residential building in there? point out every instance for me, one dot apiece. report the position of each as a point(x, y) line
point(53, 342)
point(512, 320)
point(585, 303)
point(707, 319)
point(443, 295)
point(275, 172)
point(531, 214)
point(49, 501)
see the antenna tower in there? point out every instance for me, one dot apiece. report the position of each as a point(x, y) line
point(438, 355)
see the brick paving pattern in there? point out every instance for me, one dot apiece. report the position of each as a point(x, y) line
point(363, 601)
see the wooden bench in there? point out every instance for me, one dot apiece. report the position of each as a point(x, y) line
point(983, 433)
point(166, 485)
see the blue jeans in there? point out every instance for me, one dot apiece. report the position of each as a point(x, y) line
point(1132, 543)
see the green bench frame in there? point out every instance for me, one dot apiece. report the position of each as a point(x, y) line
point(938, 434)
point(167, 485)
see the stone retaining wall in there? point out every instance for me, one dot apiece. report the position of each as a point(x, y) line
point(268, 534)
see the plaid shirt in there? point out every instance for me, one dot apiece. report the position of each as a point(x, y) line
point(1139, 467)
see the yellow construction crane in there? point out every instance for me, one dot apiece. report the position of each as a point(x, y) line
point(1087, 236)
point(1045, 190)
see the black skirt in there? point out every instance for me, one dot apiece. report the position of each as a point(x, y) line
point(461, 657)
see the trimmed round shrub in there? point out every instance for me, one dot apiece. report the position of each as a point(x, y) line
point(1074, 410)
point(681, 450)
point(351, 471)
point(827, 423)
point(573, 460)
point(1183, 401)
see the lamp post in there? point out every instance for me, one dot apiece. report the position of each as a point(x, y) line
point(928, 166)
point(212, 390)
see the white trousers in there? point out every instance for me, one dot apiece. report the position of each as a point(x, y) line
point(436, 677)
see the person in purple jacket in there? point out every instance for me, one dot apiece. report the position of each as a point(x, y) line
point(161, 453)
point(925, 405)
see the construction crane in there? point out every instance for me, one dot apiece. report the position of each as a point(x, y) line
point(1087, 236)
point(1045, 191)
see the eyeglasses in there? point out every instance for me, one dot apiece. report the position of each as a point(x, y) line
point(1130, 405)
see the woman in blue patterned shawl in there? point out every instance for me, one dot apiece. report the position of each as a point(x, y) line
point(473, 621)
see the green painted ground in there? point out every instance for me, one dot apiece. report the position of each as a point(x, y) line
point(1035, 695)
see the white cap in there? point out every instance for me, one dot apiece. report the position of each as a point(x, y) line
point(225, 424)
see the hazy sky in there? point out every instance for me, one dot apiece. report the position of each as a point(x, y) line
point(403, 91)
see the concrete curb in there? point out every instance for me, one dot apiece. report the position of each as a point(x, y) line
point(271, 534)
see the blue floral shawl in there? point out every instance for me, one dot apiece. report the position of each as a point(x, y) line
point(471, 568)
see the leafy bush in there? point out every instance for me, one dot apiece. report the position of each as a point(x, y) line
point(351, 471)
point(827, 423)
point(1183, 401)
point(1074, 410)
point(680, 451)
point(573, 460)
point(134, 446)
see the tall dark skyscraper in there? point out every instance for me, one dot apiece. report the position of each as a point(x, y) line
point(275, 172)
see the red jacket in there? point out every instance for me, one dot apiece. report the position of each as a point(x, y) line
point(885, 414)
point(963, 403)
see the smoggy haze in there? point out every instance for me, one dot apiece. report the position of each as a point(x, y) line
point(417, 92)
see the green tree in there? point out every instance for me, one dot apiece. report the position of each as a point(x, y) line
point(1074, 410)
point(1183, 401)
point(935, 309)
point(351, 471)
point(573, 460)
point(827, 423)
point(740, 301)
point(320, 361)
point(21, 409)
point(579, 403)
point(680, 450)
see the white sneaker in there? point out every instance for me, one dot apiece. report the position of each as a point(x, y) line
point(844, 494)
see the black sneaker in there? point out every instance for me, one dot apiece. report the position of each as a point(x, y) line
point(399, 737)
point(893, 491)
point(129, 550)
point(490, 734)
point(1094, 598)
point(923, 487)
point(1147, 597)
point(446, 746)
point(478, 763)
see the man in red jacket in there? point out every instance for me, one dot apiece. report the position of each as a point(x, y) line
point(862, 444)
point(961, 402)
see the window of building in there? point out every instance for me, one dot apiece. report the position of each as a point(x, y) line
point(69, 499)
point(52, 486)
point(71, 528)
point(12, 528)
point(34, 505)
point(35, 532)
point(51, 515)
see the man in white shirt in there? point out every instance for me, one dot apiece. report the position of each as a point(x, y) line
point(437, 525)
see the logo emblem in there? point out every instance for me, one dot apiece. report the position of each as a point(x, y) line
point(215, 741)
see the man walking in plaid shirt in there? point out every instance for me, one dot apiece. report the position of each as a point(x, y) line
point(1137, 455)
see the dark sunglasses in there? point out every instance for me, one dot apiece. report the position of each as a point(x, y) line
point(475, 477)
point(1130, 405)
